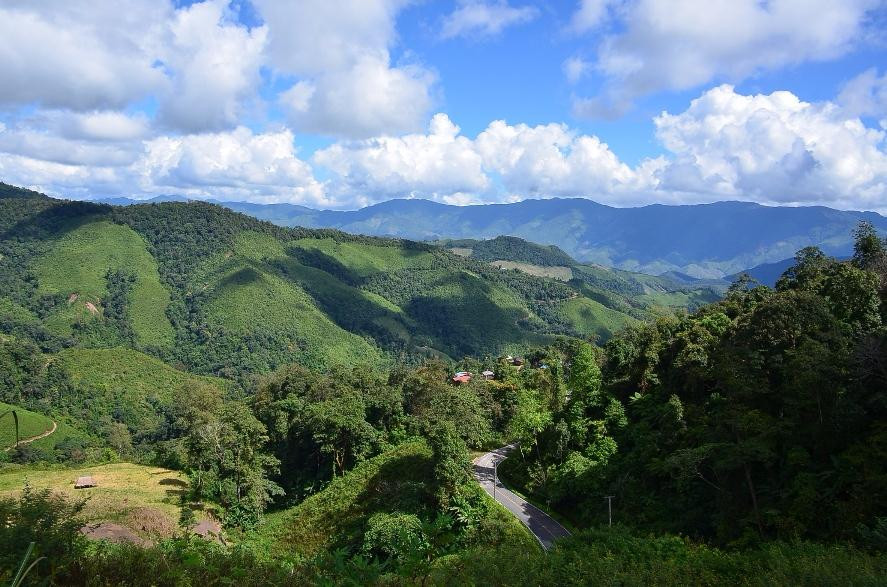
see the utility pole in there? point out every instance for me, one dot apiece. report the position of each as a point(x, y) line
point(609, 499)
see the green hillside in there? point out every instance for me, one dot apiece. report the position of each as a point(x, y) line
point(338, 516)
point(131, 386)
point(76, 267)
point(511, 248)
point(221, 293)
point(30, 424)
point(593, 319)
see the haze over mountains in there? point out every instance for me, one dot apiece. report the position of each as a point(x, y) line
point(703, 241)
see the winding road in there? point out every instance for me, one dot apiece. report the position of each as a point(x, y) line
point(546, 529)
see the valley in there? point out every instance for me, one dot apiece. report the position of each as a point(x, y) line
point(316, 398)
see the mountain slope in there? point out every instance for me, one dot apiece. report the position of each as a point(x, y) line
point(221, 293)
point(707, 240)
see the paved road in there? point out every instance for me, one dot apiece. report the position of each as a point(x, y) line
point(545, 528)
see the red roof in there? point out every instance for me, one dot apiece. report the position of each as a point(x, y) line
point(462, 378)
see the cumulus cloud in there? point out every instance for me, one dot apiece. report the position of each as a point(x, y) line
point(314, 36)
point(773, 148)
point(235, 165)
point(440, 165)
point(682, 44)
point(368, 99)
point(348, 86)
point(64, 55)
point(866, 95)
point(484, 19)
point(107, 55)
point(215, 67)
point(242, 164)
point(502, 163)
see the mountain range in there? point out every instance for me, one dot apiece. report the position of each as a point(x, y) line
point(702, 241)
point(222, 293)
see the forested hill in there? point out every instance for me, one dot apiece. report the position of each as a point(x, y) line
point(222, 293)
point(708, 240)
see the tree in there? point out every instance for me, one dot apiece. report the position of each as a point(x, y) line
point(225, 458)
point(869, 249)
point(450, 460)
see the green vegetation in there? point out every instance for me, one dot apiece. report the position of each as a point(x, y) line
point(294, 395)
point(77, 265)
point(593, 319)
point(737, 424)
point(30, 424)
point(221, 293)
point(132, 387)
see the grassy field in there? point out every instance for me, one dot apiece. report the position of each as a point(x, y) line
point(76, 265)
point(122, 367)
point(559, 273)
point(29, 424)
point(145, 499)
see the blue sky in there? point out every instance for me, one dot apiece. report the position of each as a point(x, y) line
point(343, 104)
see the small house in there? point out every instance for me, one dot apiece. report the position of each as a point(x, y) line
point(488, 375)
point(461, 377)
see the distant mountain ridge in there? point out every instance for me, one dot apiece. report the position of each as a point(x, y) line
point(702, 241)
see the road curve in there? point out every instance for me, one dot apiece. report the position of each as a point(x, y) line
point(545, 528)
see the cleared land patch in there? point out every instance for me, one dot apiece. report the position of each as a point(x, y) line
point(559, 273)
point(144, 499)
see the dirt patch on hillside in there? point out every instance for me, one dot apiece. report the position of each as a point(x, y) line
point(72, 298)
point(151, 521)
point(113, 533)
point(92, 309)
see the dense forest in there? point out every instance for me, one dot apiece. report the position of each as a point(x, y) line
point(296, 386)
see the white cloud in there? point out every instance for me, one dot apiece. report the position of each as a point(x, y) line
point(550, 160)
point(866, 95)
point(340, 51)
point(681, 44)
point(591, 14)
point(107, 54)
point(216, 67)
point(485, 19)
point(59, 54)
point(98, 125)
point(773, 148)
point(367, 100)
point(309, 37)
point(237, 164)
point(437, 165)
point(575, 68)
point(502, 163)
point(233, 165)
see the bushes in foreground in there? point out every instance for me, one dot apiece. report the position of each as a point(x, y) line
point(601, 556)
